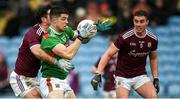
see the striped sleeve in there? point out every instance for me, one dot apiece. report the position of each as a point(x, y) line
point(154, 41)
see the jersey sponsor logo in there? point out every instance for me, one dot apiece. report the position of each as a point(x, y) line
point(137, 54)
point(132, 44)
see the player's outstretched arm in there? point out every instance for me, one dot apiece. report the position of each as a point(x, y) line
point(96, 80)
point(154, 68)
point(154, 63)
point(93, 69)
point(106, 57)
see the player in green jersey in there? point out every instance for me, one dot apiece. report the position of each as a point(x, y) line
point(55, 42)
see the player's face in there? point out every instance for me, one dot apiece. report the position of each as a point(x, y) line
point(140, 23)
point(62, 22)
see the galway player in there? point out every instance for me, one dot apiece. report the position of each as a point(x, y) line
point(23, 79)
point(133, 47)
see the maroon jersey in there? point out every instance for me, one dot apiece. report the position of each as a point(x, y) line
point(27, 64)
point(133, 53)
point(108, 75)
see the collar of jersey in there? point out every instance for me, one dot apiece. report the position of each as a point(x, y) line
point(41, 27)
point(138, 35)
point(54, 32)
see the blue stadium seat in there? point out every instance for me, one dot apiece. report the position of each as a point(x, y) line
point(151, 29)
point(99, 40)
point(4, 43)
point(174, 30)
point(174, 90)
point(162, 31)
point(176, 40)
point(23, 31)
point(164, 48)
point(16, 41)
point(174, 20)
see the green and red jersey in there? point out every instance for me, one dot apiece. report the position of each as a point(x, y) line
point(49, 41)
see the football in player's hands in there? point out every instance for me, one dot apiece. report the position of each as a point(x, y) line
point(86, 29)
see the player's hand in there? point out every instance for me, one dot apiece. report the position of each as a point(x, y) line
point(103, 26)
point(156, 84)
point(86, 29)
point(65, 65)
point(96, 80)
point(87, 32)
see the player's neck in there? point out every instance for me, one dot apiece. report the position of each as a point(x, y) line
point(55, 31)
point(54, 27)
point(140, 34)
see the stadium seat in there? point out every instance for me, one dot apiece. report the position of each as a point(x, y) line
point(174, 90)
point(4, 43)
point(16, 41)
point(162, 31)
point(174, 29)
point(174, 20)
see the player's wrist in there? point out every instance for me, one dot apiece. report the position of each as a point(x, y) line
point(156, 78)
point(80, 37)
point(98, 72)
point(57, 63)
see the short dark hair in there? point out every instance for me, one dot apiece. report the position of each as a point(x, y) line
point(141, 13)
point(42, 12)
point(57, 11)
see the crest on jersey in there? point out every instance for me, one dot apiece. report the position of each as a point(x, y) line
point(63, 38)
point(149, 44)
point(57, 85)
point(141, 44)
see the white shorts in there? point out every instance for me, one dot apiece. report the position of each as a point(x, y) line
point(110, 94)
point(21, 85)
point(135, 82)
point(50, 84)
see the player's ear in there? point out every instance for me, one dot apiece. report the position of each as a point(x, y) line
point(54, 19)
point(43, 19)
point(147, 22)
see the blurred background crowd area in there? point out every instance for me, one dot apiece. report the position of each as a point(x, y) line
point(16, 16)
